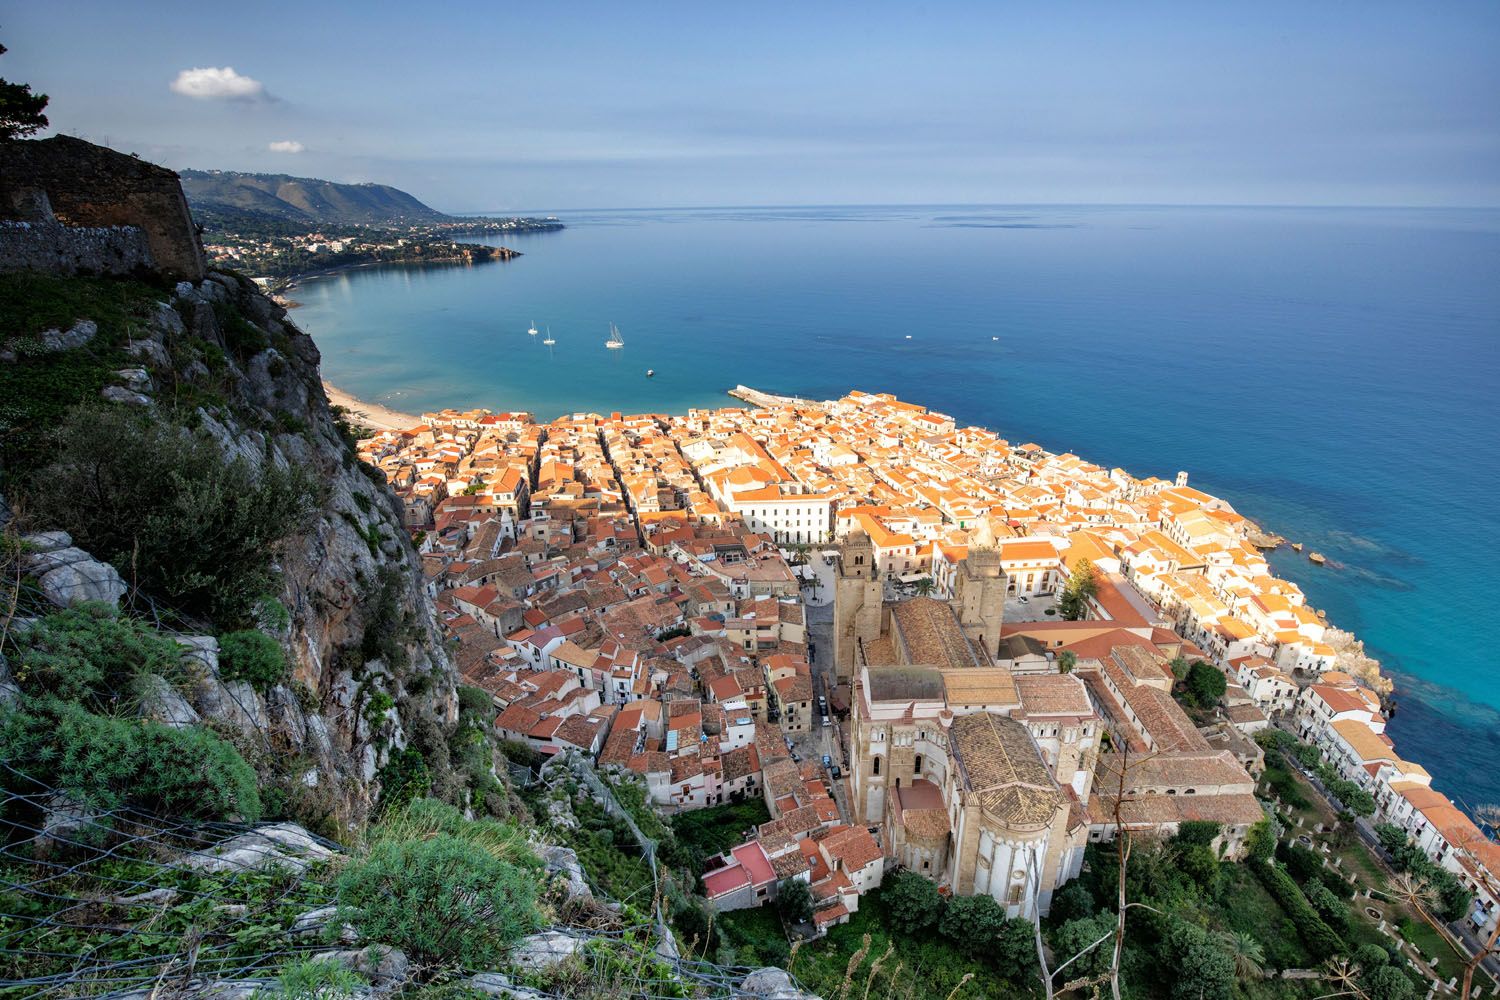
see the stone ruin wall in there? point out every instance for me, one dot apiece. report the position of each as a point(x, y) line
point(70, 207)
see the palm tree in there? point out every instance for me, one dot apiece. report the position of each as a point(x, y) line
point(1249, 956)
point(924, 586)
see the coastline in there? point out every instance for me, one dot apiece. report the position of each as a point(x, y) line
point(371, 415)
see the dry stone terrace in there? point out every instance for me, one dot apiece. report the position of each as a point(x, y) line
point(631, 586)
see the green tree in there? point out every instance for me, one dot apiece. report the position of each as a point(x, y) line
point(1075, 935)
point(1391, 837)
point(1015, 949)
point(973, 924)
point(794, 900)
point(1387, 983)
point(444, 901)
point(1082, 585)
point(1203, 969)
point(21, 111)
point(1248, 955)
point(1260, 841)
point(1072, 902)
point(1371, 956)
point(913, 903)
point(1206, 684)
point(252, 656)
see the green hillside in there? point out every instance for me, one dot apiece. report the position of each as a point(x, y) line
point(303, 199)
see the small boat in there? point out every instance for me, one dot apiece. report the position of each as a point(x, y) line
point(615, 341)
point(650, 372)
point(532, 331)
point(994, 338)
point(549, 341)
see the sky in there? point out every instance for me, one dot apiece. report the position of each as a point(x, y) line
point(505, 106)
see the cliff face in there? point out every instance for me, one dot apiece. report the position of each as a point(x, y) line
point(360, 627)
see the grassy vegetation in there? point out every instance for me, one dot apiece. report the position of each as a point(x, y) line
point(716, 829)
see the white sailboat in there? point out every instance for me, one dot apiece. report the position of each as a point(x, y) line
point(549, 341)
point(615, 341)
point(532, 331)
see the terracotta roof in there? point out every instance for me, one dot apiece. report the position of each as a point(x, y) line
point(999, 761)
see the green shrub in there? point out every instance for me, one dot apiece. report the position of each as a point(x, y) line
point(972, 923)
point(442, 900)
point(107, 762)
point(311, 979)
point(170, 511)
point(794, 900)
point(1315, 933)
point(1075, 935)
point(913, 903)
point(252, 656)
point(90, 653)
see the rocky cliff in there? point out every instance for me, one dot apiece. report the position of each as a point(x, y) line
point(369, 675)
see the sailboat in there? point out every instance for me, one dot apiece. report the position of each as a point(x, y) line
point(549, 341)
point(615, 341)
point(532, 331)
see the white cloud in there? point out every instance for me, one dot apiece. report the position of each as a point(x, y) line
point(287, 146)
point(210, 83)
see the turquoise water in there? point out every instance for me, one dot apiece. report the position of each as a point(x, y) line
point(1329, 371)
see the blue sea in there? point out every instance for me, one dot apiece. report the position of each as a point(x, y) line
point(1331, 372)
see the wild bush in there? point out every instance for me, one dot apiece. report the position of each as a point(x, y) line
point(252, 656)
point(171, 512)
point(90, 653)
point(109, 762)
point(442, 900)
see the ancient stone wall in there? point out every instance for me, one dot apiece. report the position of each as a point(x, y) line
point(93, 187)
point(53, 248)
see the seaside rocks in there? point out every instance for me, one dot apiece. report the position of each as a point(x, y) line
point(279, 845)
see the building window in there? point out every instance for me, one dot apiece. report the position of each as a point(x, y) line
point(875, 766)
point(917, 765)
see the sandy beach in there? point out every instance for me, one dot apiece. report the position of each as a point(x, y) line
point(372, 415)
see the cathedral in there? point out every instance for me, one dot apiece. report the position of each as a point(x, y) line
point(977, 779)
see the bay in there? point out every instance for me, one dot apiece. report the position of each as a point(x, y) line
point(1330, 371)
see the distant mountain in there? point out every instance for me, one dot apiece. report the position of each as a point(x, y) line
point(303, 199)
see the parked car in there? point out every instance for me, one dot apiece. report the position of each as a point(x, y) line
point(827, 760)
point(836, 772)
point(826, 721)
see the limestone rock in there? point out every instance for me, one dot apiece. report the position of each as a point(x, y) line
point(162, 702)
point(66, 821)
point(77, 335)
point(120, 394)
point(279, 845)
point(497, 984)
point(10, 694)
point(383, 965)
point(312, 924)
point(542, 951)
point(136, 379)
point(201, 651)
point(772, 984)
point(234, 703)
point(563, 861)
point(85, 580)
point(47, 541)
